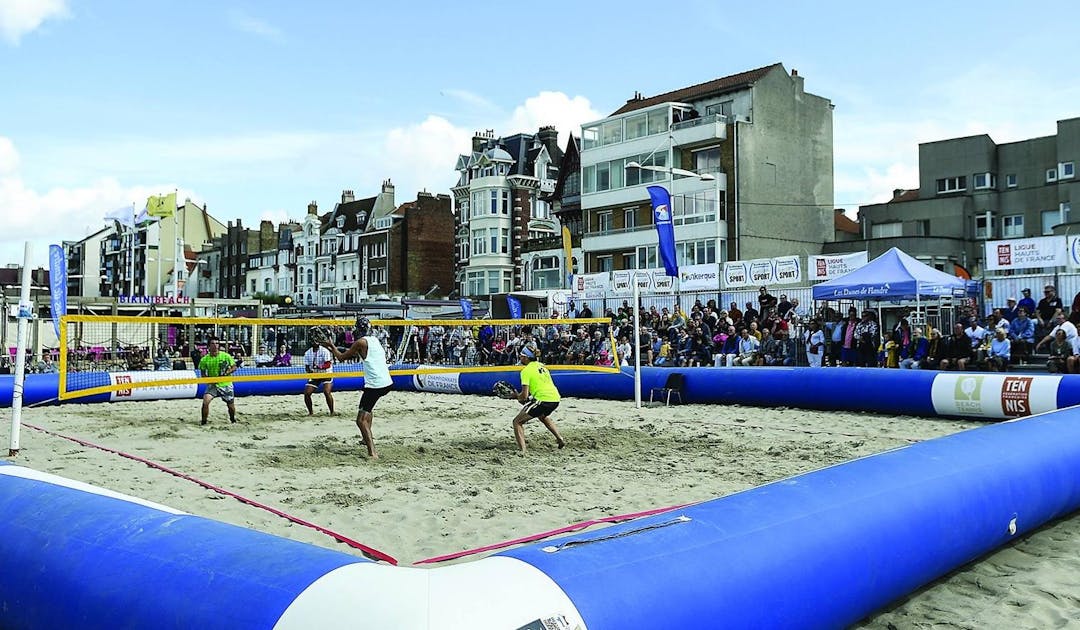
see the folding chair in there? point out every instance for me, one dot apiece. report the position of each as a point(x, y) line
point(673, 385)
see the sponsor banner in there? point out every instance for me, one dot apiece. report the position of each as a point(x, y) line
point(761, 271)
point(1074, 251)
point(736, 274)
point(1027, 253)
point(994, 395)
point(592, 285)
point(648, 280)
point(787, 270)
point(699, 277)
point(157, 392)
point(448, 383)
point(834, 266)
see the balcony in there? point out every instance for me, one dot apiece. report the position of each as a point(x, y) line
point(699, 131)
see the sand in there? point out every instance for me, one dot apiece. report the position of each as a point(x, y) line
point(450, 479)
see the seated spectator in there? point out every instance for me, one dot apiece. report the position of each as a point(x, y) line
point(283, 358)
point(771, 351)
point(748, 348)
point(1061, 351)
point(1061, 324)
point(959, 351)
point(935, 351)
point(729, 350)
point(916, 352)
point(997, 359)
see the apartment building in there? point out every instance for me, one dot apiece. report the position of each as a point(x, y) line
point(747, 158)
point(408, 251)
point(971, 190)
point(338, 260)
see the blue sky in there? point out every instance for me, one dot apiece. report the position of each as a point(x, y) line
point(257, 108)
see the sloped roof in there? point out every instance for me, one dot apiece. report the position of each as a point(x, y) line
point(357, 216)
point(699, 91)
point(842, 223)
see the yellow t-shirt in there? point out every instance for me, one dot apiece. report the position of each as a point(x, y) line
point(538, 378)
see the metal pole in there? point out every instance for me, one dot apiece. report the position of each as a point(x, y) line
point(637, 342)
point(25, 313)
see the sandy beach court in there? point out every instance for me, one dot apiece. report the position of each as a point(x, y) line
point(450, 478)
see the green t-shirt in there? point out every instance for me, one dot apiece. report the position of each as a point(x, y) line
point(538, 378)
point(216, 365)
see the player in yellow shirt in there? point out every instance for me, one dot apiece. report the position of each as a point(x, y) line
point(539, 395)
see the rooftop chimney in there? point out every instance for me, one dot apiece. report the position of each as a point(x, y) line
point(313, 208)
point(347, 196)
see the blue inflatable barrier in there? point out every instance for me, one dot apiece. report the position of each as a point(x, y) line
point(819, 550)
point(908, 392)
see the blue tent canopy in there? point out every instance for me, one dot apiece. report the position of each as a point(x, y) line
point(892, 275)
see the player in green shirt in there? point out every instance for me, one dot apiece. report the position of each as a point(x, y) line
point(539, 395)
point(217, 362)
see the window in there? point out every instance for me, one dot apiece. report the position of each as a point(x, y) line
point(720, 108)
point(628, 261)
point(504, 240)
point(984, 180)
point(1050, 218)
point(479, 242)
point(253, 286)
point(637, 126)
point(603, 176)
point(590, 138)
point(268, 286)
point(1051, 175)
point(922, 227)
point(696, 208)
point(658, 122)
point(1012, 226)
point(1066, 209)
point(951, 184)
point(981, 229)
point(463, 208)
point(604, 263)
point(612, 132)
point(377, 275)
point(494, 196)
point(603, 222)
point(630, 218)
point(588, 179)
point(505, 205)
point(1010, 180)
point(707, 160)
point(1066, 170)
point(646, 257)
point(695, 252)
point(886, 230)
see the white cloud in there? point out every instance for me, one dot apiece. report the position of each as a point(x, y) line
point(553, 108)
point(470, 98)
point(255, 26)
point(19, 17)
point(97, 177)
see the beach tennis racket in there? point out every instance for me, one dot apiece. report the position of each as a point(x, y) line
point(320, 335)
point(502, 389)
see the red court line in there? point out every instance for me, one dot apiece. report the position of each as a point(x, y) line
point(368, 551)
point(562, 530)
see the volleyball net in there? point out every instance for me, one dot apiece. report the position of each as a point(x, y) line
point(111, 354)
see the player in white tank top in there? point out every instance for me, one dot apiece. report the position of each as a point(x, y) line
point(377, 381)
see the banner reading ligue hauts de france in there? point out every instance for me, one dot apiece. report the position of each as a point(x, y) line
point(763, 271)
point(832, 266)
point(1027, 253)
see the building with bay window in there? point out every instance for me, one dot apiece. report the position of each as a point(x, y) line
point(502, 201)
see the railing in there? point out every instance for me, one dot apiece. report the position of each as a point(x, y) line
point(701, 120)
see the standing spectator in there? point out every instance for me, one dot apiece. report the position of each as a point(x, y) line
point(849, 353)
point(1027, 303)
point(867, 339)
point(815, 343)
point(765, 300)
point(1022, 333)
point(835, 335)
point(585, 311)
